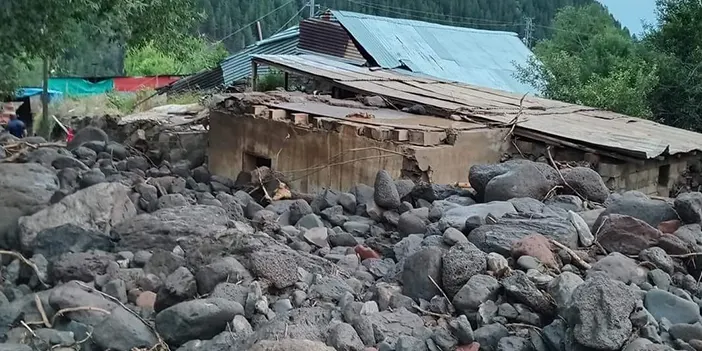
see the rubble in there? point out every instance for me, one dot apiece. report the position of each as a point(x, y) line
point(106, 248)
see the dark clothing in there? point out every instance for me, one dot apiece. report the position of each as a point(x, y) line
point(16, 128)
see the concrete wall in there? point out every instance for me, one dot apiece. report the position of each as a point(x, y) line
point(654, 177)
point(302, 153)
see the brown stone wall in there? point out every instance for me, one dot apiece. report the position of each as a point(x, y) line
point(235, 142)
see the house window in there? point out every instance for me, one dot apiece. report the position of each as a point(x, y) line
point(664, 175)
point(253, 161)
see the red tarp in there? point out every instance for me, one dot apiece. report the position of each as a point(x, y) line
point(140, 83)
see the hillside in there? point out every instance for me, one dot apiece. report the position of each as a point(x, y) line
point(224, 17)
point(228, 20)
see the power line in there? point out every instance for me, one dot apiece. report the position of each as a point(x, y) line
point(254, 22)
point(440, 20)
point(290, 20)
point(390, 8)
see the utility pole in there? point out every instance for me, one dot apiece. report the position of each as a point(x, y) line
point(528, 30)
point(312, 8)
point(45, 90)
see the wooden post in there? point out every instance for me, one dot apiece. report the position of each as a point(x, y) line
point(260, 32)
point(254, 75)
point(45, 91)
point(287, 81)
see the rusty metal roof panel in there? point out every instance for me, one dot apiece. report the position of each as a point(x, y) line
point(472, 56)
point(547, 119)
point(329, 38)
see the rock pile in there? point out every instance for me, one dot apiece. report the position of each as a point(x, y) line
point(105, 250)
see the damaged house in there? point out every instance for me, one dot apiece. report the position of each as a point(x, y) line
point(390, 109)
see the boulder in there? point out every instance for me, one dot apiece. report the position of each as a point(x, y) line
point(626, 234)
point(386, 194)
point(501, 236)
point(290, 345)
point(122, 331)
point(24, 189)
point(478, 289)
point(69, 238)
point(599, 312)
point(457, 216)
point(86, 135)
point(99, 207)
point(526, 180)
point(638, 205)
point(662, 304)
point(221, 270)
point(162, 229)
point(689, 207)
point(417, 270)
point(619, 267)
point(537, 246)
point(196, 319)
point(586, 182)
point(459, 264)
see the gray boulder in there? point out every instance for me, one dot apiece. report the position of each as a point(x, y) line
point(221, 270)
point(585, 182)
point(478, 289)
point(459, 264)
point(344, 338)
point(522, 289)
point(501, 236)
point(197, 319)
point(619, 267)
point(456, 216)
point(386, 194)
point(99, 208)
point(489, 336)
point(389, 326)
point(67, 238)
point(278, 269)
point(290, 345)
point(599, 313)
point(689, 207)
point(662, 304)
point(526, 180)
point(480, 175)
point(417, 270)
point(164, 228)
point(411, 224)
point(638, 205)
point(86, 135)
point(24, 189)
point(122, 331)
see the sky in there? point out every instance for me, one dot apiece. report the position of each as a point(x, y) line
point(630, 13)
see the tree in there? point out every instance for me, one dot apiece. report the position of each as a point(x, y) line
point(591, 60)
point(191, 55)
point(677, 44)
point(47, 29)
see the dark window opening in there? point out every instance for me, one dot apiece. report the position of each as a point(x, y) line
point(252, 161)
point(663, 175)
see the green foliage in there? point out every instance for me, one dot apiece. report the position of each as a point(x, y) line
point(677, 47)
point(590, 60)
point(49, 29)
point(270, 81)
point(190, 56)
point(147, 60)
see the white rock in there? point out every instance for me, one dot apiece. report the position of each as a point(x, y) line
point(584, 233)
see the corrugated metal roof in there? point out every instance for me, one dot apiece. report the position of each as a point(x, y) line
point(585, 128)
point(329, 38)
point(472, 56)
point(238, 66)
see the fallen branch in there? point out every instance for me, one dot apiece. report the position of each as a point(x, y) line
point(555, 166)
point(160, 343)
point(27, 262)
point(579, 261)
point(440, 289)
point(438, 315)
point(77, 309)
point(40, 307)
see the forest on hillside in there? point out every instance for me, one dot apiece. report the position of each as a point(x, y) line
point(230, 21)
